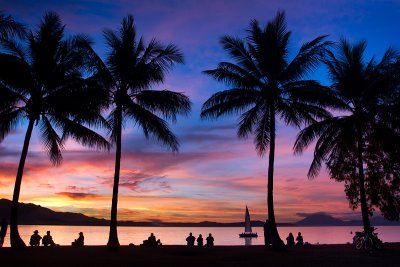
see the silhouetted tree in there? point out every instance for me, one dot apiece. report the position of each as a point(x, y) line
point(9, 27)
point(265, 86)
point(356, 141)
point(131, 69)
point(41, 82)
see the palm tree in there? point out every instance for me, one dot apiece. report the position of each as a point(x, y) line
point(343, 140)
point(42, 83)
point(266, 86)
point(130, 70)
point(9, 27)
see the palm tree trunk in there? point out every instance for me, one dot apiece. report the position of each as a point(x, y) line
point(15, 239)
point(113, 242)
point(363, 199)
point(277, 243)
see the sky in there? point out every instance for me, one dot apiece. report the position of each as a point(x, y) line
point(214, 175)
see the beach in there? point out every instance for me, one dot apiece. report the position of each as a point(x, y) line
point(310, 255)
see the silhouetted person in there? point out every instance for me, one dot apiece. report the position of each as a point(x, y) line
point(210, 240)
point(3, 231)
point(80, 241)
point(200, 240)
point(267, 233)
point(290, 240)
point(48, 240)
point(151, 241)
point(190, 239)
point(35, 239)
point(299, 240)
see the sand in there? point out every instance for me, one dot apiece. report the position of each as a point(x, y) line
point(313, 255)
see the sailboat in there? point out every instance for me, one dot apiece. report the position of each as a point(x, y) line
point(247, 226)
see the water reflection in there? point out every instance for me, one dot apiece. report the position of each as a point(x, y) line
point(223, 236)
point(247, 241)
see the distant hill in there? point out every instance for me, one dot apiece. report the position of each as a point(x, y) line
point(320, 219)
point(31, 214)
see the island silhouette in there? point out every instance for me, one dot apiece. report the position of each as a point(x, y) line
point(31, 214)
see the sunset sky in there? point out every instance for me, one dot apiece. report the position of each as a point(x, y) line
point(215, 174)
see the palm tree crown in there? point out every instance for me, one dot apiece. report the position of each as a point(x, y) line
point(42, 83)
point(265, 84)
point(131, 69)
point(9, 27)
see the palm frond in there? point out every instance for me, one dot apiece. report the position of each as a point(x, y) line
point(234, 75)
point(80, 133)
point(152, 125)
point(9, 121)
point(228, 102)
point(9, 27)
point(249, 119)
point(237, 49)
point(263, 134)
point(166, 103)
point(52, 142)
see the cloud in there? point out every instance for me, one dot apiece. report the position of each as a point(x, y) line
point(77, 196)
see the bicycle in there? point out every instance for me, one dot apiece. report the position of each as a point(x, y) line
point(367, 240)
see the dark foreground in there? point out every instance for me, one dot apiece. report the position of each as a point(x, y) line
point(316, 255)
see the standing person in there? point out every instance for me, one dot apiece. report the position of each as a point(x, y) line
point(3, 231)
point(210, 240)
point(267, 234)
point(299, 240)
point(35, 239)
point(200, 240)
point(190, 239)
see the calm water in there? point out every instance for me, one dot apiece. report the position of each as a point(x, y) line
point(98, 235)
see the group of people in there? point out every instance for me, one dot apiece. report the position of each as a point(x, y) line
point(191, 239)
point(47, 240)
point(152, 241)
point(290, 240)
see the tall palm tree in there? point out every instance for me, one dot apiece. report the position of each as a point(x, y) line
point(131, 69)
point(9, 27)
point(342, 140)
point(267, 86)
point(42, 83)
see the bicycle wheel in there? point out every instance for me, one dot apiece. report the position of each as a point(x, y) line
point(368, 243)
point(358, 242)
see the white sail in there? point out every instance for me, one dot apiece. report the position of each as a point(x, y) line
point(247, 227)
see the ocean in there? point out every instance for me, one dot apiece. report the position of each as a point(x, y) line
point(224, 236)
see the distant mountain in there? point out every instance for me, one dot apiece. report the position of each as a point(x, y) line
point(320, 219)
point(31, 214)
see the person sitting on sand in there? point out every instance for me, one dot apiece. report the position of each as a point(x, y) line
point(35, 239)
point(190, 239)
point(48, 240)
point(151, 241)
point(210, 240)
point(299, 240)
point(80, 241)
point(290, 240)
point(200, 240)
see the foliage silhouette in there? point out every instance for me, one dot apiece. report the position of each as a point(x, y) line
point(363, 127)
point(10, 28)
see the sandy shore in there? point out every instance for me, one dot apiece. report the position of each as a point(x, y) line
point(315, 255)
